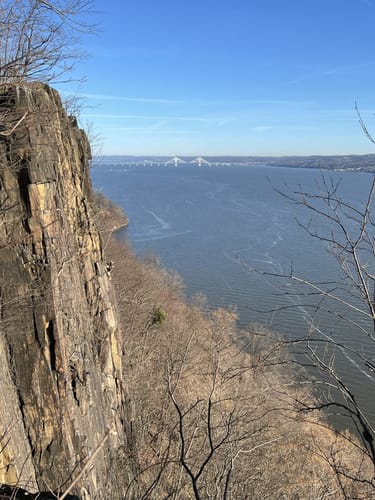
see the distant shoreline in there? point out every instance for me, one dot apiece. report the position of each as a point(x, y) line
point(341, 163)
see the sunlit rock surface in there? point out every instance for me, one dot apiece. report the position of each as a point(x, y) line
point(60, 355)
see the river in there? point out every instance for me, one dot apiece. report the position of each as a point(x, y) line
point(228, 233)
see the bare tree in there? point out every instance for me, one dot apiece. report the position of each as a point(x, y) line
point(214, 417)
point(39, 39)
point(347, 228)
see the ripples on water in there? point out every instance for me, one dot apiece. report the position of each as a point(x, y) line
point(220, 228)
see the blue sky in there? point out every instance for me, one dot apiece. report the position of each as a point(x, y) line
point(231, 77)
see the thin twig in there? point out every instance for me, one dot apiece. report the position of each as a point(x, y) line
point(7, 134)
point(86, 466)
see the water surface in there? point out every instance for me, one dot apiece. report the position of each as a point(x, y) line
point(223, 228)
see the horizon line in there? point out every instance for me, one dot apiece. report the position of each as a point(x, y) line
point(232, 155)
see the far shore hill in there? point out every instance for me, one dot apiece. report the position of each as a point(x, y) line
point(360, 163)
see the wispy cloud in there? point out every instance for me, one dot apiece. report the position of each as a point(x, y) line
point(262, 128)
point(150, 130)
point(110, 97)
point(202, 102)
point(281, 102)
point(218, 120)
point(148, 117)
point(158, 125)
point(329, 71)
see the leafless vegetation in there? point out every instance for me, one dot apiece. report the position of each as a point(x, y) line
point(39, 39)
point(109, 216)
point(211, 419)
point(347, 229)
point(214, 417)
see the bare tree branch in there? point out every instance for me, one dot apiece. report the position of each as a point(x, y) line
point(39, 39)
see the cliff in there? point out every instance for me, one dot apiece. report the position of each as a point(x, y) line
point(66, 424)
point(61, 395)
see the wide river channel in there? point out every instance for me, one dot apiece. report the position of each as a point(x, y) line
point(227, 232)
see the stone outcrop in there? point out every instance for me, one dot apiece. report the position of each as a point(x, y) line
point(61, 394)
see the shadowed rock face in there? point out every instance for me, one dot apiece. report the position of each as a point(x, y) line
point(17, 493)
point(60, 355)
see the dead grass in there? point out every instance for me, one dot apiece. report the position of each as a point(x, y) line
point(211, 420)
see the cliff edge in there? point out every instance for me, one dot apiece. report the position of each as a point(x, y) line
point(61, 395)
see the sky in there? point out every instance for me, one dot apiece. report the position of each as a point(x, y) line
point(230, 77)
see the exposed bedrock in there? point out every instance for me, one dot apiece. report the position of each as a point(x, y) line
point(61, 393)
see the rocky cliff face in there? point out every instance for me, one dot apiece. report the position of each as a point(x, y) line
point(60, 356)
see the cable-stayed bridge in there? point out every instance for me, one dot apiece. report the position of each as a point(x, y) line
point(117, 161)
point(178, 161)
point(175, 161)
point(200, 161)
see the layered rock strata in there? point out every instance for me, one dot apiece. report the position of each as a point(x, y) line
point(61, 395)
